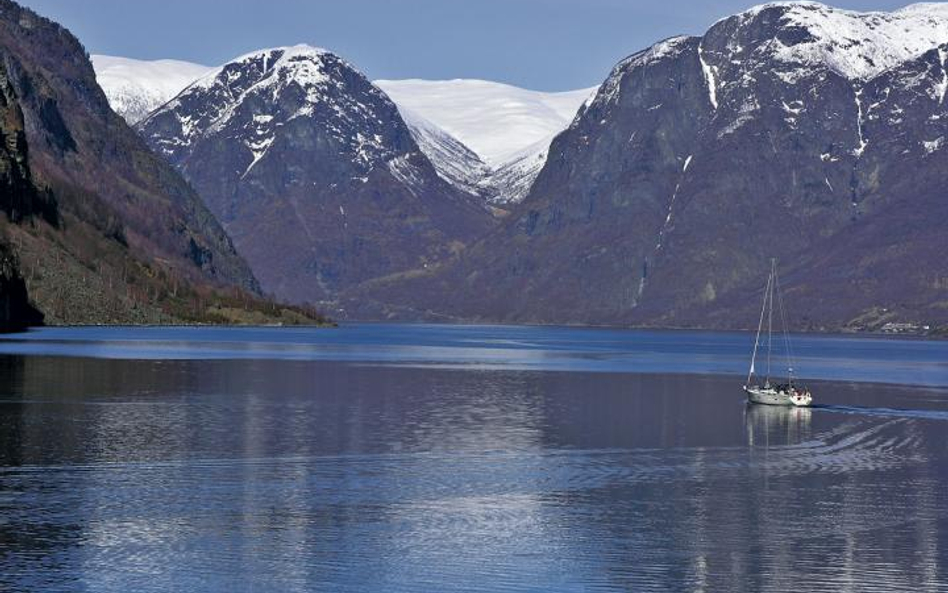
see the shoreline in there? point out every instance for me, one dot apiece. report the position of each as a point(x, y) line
point(935, 336)
point(515, 349)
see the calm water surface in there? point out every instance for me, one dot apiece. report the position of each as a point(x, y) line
point(427, 458)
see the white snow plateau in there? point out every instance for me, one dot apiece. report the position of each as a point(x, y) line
point(135, 88)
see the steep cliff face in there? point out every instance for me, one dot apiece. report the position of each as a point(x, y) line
point(784, 169)
point(793, 130)
point(19, 198)
point(795, 163)
point(574, 250)
point(20, 201)
point(612, 181)
point(97, 167)
point(313, 172)
point(99, 229)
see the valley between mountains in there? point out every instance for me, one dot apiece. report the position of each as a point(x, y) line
point(792, 130)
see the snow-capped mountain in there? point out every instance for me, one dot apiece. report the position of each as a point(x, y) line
point(135, 88)
point(485, 138)
point(798, 131)
point(509, 128)
point(313, 172)
point(855, 45)
point(792, 130)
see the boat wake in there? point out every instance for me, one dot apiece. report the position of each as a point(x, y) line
point(883, 412)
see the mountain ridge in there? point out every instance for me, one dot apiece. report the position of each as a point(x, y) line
point(500, 176)
point(645, 209)
point(648, 209)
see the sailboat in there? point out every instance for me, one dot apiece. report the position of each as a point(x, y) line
point(769, 392)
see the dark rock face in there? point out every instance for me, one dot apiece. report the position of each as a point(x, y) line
point(16, 311)
point(313, 172)
point(97, 168)
point(19, 198)
point(702, 158)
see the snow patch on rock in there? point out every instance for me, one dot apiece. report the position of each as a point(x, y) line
point(402, 169)
point(710, 78)
point(933, 145)
point(941, 87)
point(856, 45)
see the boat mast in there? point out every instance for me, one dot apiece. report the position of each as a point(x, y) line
point(760, 325)
point(770, 315)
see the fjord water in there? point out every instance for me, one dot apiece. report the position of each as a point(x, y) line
point(459, 458)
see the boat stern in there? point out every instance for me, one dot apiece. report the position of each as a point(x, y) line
point(801, 399)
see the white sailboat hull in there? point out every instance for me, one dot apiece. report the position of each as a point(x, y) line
point(773, 397)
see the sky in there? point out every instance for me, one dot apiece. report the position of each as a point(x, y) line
point(548, 45)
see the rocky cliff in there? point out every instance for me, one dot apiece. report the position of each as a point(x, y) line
point(103, 230)
point(792, 131)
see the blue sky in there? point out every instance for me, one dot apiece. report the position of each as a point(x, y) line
point(539, 44)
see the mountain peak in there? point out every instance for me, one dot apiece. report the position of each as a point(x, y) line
point(300, 49)
point(266, 89)
point(302, 63)
point(936, 9)
point(283, 56)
